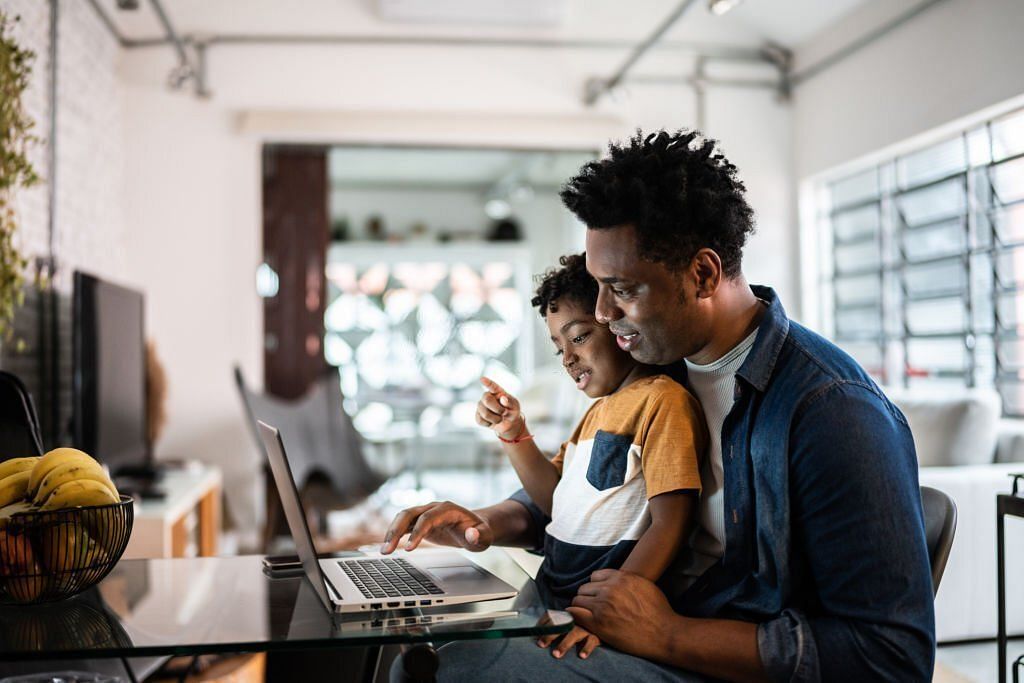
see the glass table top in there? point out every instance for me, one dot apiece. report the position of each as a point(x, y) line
point(228, 604)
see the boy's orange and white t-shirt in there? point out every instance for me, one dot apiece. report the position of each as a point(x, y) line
point(630, 446)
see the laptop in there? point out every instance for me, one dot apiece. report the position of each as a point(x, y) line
point(422, 578)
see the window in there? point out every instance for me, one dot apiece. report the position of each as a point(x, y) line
point(414, 327)
point(926, 262)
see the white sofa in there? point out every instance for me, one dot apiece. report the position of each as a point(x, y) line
point(967, 450)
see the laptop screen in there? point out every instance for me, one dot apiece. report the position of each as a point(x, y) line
point(293, 511)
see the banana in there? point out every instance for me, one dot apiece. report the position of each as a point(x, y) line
point(78, 493)
point(13, 488)
point(75, 470)
point(15, 465)
point(65, 547)
point(52, 460)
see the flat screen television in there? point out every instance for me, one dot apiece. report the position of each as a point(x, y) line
point(109, 374)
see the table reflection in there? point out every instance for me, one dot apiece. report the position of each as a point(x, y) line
point(206, 605)
point(79, 623)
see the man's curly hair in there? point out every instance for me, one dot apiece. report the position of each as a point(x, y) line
point(571, 281)
point(675, 188)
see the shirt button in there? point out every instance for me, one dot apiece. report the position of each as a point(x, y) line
point(735, 516)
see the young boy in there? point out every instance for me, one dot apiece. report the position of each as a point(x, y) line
point(622, 491)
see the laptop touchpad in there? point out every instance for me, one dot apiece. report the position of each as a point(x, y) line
point(459, 572)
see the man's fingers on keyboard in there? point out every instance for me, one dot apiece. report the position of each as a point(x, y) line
point(399, 526)
point(427, 522)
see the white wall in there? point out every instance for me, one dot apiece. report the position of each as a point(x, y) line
point(89, 225)
point(192, 199)
point(956, 58)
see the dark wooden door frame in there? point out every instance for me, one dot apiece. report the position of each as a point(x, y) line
point(295, 226)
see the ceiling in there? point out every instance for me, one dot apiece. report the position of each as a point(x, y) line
point(787, 22)
point(792, 22)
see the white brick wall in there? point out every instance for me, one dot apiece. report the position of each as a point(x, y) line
point(89, 227)
point(31, 31)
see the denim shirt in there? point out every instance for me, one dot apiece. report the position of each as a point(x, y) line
point(825, 544)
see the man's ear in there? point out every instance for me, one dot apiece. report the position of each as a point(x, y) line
point(706, 271)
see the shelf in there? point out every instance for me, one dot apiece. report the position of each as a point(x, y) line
point(364, 253)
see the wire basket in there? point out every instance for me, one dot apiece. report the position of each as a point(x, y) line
point(48, 556)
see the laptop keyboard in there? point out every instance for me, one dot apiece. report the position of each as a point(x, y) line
point(388, 578)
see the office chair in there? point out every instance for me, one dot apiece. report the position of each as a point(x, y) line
point(325, 452)
point(939, 529)
point(19, 426)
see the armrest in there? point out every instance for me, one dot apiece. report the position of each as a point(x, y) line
point(1010, 442)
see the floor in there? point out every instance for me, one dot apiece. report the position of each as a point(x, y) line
point(974, 662)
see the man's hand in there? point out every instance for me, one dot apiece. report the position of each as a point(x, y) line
point(626, 611)
point(442, 523)
point(499, 411)
point(586, 641)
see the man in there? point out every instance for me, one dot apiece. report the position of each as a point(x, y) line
point(810, 561)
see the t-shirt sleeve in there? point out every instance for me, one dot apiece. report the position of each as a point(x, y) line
point(559, 460)
point(674, 441)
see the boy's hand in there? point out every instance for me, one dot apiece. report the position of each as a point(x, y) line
point(499, 411)
point(586, 640)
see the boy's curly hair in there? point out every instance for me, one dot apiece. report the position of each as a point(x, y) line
point(570, 281)
point(679, 193)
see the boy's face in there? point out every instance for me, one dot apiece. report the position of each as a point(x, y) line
point(587, 350)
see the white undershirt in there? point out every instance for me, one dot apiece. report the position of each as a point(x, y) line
point(713, 385)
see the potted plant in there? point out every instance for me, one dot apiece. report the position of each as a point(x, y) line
point(15, 169)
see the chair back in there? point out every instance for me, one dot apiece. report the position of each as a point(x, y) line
point(20, 435)
point(939, 529)
point(320, 436)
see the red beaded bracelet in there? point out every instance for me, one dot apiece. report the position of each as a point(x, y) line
point(518, 439)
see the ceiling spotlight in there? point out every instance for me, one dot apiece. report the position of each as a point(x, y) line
point(720, 7)
point(128, 4)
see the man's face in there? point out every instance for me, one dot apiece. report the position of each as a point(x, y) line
point(652, 310)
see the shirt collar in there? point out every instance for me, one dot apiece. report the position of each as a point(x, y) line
point(760, 362)
point(771, 335)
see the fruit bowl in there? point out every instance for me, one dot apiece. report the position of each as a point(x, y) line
point(52, 555)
